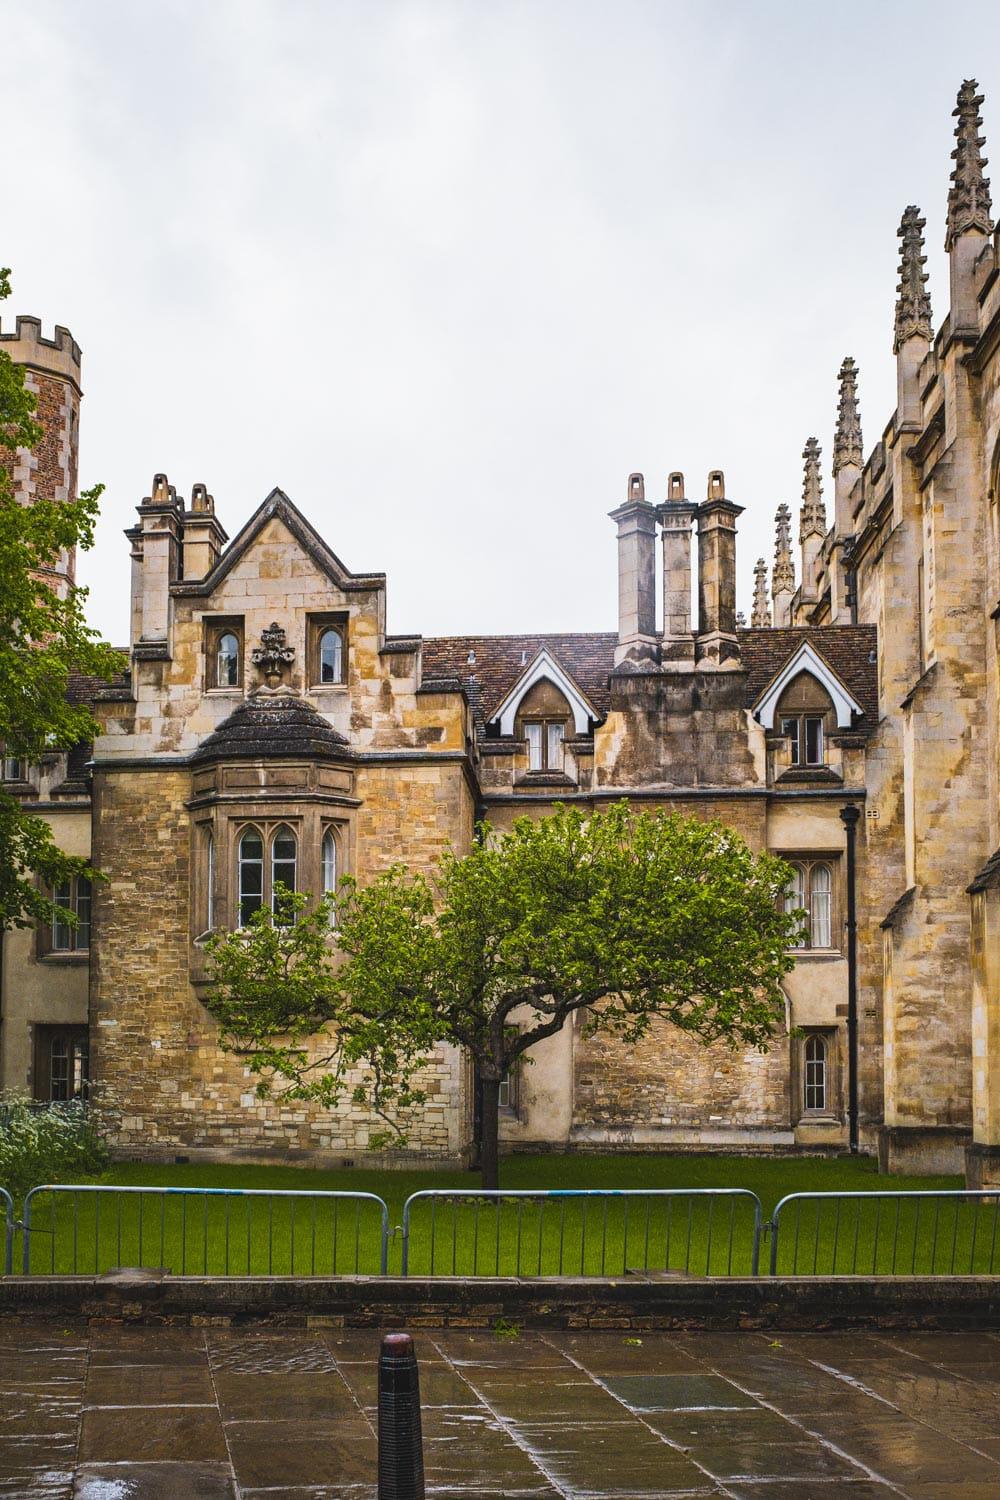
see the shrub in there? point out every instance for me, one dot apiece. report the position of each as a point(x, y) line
point(55, 1143)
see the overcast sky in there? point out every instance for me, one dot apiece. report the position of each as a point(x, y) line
point(448, 272)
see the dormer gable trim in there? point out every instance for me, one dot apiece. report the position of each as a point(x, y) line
point(546, 666)
point(808, 659)
point(277, 505)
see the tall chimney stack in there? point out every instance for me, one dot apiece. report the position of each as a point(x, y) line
point(717, 645)
point(636, 575)
point(676, 515)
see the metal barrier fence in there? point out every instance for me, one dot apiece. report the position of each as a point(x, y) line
point(886, 1233)
point(203, 1231)
point(7, 1208)
point(87, 1229)
point(585, 1232)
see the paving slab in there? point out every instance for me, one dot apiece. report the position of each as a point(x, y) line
point(111, 1412)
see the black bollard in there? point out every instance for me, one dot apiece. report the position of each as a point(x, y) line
point(400, 1445)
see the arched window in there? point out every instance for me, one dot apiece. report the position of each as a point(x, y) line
point(251, 874)
point(811, 891)
point(331, 656)
point(283, 862)
point(329, 861)
point(815, 1079)
point(227, 660)
point(209, 881)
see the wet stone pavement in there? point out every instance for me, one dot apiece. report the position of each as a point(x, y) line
point(119, 1413)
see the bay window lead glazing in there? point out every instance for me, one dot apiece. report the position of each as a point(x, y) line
point(283, 864)
point(251, 875)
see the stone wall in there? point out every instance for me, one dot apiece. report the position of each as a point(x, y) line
point(157, 1064)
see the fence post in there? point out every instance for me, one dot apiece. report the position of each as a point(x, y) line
point(26, 1231)
point(7, 1203)
point(400, 1442)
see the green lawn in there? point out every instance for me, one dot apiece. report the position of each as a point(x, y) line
point(235, 1234)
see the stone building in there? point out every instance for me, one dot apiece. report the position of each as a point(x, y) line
point(270, 729)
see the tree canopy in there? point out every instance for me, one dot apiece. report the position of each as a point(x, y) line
point(43, 638)
point(626, 916)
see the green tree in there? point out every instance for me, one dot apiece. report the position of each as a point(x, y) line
point(42, 639)
point(628, 917)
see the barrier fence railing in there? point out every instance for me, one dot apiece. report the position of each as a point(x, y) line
point(7, 1209)
point(583, 1232)
point(943, 1232)
point(70, 1229)
point(189, 1231)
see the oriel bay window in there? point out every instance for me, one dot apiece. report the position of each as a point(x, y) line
point(265, 866)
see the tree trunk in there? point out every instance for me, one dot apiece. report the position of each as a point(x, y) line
point(489, 1153)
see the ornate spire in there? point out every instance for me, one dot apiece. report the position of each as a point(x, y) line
point(812, 516)
point(969, 205)
point(847, 443)
point(913, 305)
point(760, 616)
point(783, 572)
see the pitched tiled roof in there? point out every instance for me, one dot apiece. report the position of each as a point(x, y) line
point(84, 688)
point(499, 660)
point(849, 649)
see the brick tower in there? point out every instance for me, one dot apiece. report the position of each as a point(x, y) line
point(52, 373)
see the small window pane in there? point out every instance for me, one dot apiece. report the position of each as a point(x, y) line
point(555, 746)
point(13, 769)
point(81, 936)
point(790, 728)
point(815, 1073)
point(331, 656)
point(251, 875)
point(533, 734)
point(329, 871)
point(59, 1069)
point(820, 907)
point(814, 742)
point(282, 864)
point(62, 932)
point(227, 662)
point(795, 900)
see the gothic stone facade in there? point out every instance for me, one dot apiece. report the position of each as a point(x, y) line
point(268, 718)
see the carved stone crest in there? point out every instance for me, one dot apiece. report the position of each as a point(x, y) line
point(272, 656)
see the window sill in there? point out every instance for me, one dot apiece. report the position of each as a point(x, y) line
point(544, 778)
point(821, 1117)
point(225, 692)
point(800, 775)
point(327, 687)
point(65, 956)
point(826, 954)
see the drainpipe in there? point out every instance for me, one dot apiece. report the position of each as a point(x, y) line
point(849, 816)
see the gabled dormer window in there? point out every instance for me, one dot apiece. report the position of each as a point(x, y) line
point(804, 712)
point(543, 719)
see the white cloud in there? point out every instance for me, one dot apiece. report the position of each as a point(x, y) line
point(448, 272)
